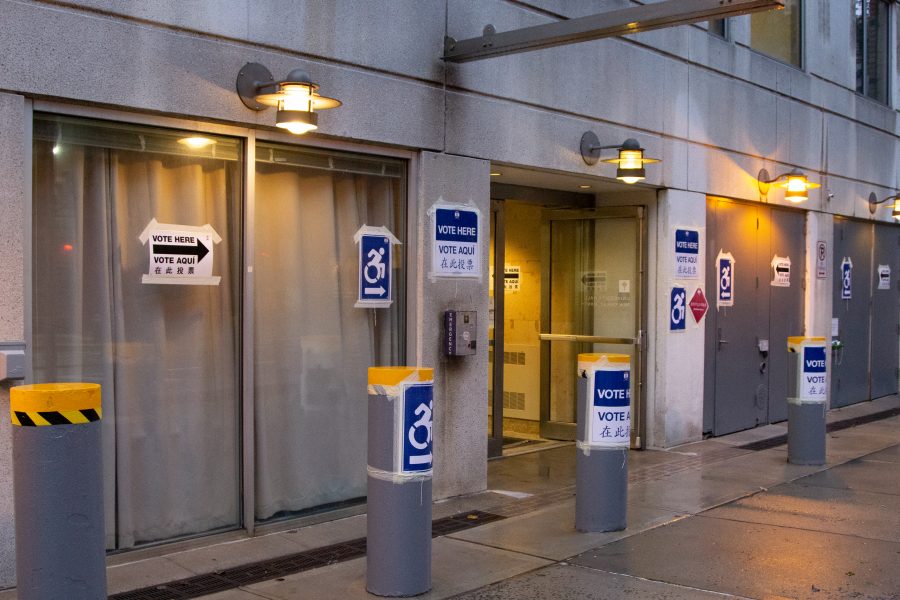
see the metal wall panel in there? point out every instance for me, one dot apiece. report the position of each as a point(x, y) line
point(747, 385)
point(738, 379)
point(850, 367)
point(786, 238)
point(885, 312)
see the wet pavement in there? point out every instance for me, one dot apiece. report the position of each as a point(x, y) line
point(711, 519)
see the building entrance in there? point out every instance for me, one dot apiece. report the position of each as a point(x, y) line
point(865, 320)
point(565, 281)
point(760, 253)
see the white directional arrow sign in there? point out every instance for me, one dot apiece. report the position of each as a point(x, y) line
point(375, 261)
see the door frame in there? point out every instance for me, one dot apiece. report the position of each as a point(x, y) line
point(567, 431)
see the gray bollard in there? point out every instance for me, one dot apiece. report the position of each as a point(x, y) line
point(806, 406)
point(398, 549)
point(58, 478)
point(603, 438)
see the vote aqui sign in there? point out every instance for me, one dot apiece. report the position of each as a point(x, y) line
point(455, 249)
point(375, 260)
point(416, 432)
point(180, 254)
point(812, 382)
point(687, 254)
point(609, 421)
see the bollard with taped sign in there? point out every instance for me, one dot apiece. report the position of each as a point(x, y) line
point(603, 439)
point(58, 478)
point(400, 457)
point(806, 407)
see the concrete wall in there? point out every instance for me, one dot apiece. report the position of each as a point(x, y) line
point(460, 385)
point(675, 398)
point(15, 177)
point(714, 110)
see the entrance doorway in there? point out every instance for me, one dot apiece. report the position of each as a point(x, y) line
point(746, 341)
point(865, 318)
point(566, 280)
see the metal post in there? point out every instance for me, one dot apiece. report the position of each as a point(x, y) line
point(58, 478)
point(806, 407)
point(398, 558)
point(603, 439)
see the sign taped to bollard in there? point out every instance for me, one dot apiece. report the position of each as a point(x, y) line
point(411, 393)
point(416, 441)
point(608, 420)
point(812, 376)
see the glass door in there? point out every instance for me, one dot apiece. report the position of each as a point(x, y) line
point(591, 302)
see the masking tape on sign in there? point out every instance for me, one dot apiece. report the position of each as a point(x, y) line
point(392, 477)
point(389, 381)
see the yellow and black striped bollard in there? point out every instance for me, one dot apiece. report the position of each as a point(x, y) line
point(58, 477)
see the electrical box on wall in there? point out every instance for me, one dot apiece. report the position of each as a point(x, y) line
point(459, 332)
point(12, 360)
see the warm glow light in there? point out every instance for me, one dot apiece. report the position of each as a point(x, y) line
point(584, 187)
point(496, 173)
point(68, 247)
point(797, 186)
point(796, 183)
point(196, 142)
point(298, 128)
point(56, 149)
point(631, 159)
point(296, 96)
point(896, 212)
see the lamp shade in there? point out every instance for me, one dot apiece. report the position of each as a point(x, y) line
point(630, 162)
point(797, 186)
point(295, 98)
point(896, 211)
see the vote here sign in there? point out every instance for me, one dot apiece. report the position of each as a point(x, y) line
point(180, 254)
point(456, 251)
point(813, 386)
point(610, 418)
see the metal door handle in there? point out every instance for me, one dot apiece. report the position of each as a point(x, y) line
point(721, 341)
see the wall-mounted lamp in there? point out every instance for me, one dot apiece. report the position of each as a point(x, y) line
point(795, 182)
point(295, 98)
point(894, 199)
point(630, 161)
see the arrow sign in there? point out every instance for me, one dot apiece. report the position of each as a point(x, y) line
point(180, 254)
point(725, 276)
point(846, 278)
point(199, 249)
point(781, 276)
point(375, 263)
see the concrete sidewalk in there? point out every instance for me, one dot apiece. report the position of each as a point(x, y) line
point(705, 519)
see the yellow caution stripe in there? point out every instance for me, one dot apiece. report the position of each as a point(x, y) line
point(54, 417)
point(42, 404)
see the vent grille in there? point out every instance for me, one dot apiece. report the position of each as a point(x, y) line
point(228, 579)
point(514, 358)
point(514, 400)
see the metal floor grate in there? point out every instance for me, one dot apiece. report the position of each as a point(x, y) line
point(228, 579)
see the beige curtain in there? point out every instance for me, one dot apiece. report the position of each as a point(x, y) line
point(312, 346)
point(165, 355)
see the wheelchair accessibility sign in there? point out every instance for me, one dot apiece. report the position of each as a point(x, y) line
point(375, 260)
point(416, 431)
